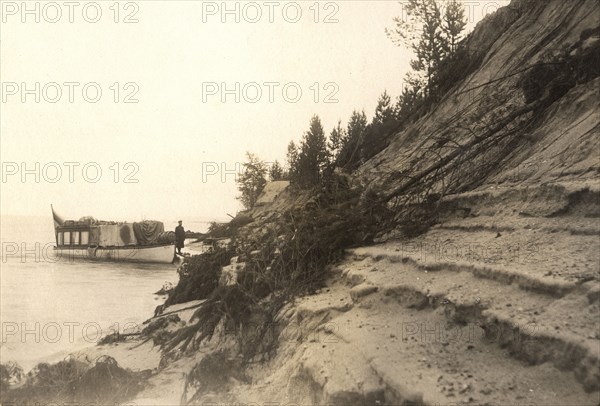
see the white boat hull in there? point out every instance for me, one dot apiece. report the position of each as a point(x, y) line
point(155, 254)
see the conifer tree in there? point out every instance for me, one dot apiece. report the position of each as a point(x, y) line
point(422, 32)
point(349, 157)
point(454, 23)
point(276, 171)
point(384, 110)
point(292, 161)
point(313, 156)
point(337, 139)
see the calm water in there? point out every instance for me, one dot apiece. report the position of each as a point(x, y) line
point(50, 307)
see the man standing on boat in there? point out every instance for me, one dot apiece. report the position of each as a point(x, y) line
point(179, 237)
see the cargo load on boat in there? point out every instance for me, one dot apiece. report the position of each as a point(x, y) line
point(147, 232)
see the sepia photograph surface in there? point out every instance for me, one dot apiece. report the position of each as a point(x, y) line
point(293, 203)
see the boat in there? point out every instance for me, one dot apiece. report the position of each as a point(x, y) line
point(89, 238)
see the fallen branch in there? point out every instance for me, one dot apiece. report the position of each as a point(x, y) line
point(459, 150)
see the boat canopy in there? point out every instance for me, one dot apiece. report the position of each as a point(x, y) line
point(89, 231)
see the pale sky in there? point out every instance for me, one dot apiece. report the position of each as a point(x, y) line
point(174, 58)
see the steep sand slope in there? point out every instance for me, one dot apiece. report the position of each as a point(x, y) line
point(491, 308)
point(499, 303)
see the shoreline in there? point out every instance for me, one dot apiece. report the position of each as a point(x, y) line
point(73, 341)
point(139, 354)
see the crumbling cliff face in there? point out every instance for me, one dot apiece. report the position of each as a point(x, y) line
point(499, 301)
point(531, 102)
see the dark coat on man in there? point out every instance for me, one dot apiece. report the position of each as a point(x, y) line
point(179, 236)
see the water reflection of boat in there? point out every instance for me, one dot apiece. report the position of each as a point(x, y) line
point(144, 241)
